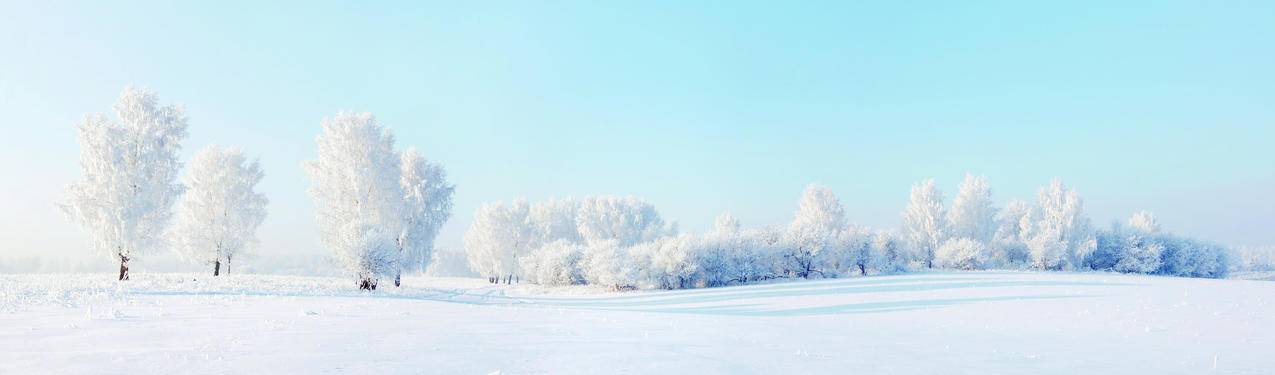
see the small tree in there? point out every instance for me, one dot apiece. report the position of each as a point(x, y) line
point(818, 220)
point(130, 165)
point(356, 188)
point(218, 216)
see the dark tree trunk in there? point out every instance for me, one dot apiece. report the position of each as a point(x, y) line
point(863, 271)
point(367, 284)
point(397, 278)
point(217, 268)
point(123, 268)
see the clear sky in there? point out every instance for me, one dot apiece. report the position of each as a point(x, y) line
point(699, 107)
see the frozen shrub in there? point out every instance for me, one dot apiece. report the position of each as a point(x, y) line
point(961, 253)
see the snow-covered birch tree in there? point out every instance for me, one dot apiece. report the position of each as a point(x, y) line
point(924, 223)
point(125, 197)
point(426, 207)
point(356, 188)
point(218, 216)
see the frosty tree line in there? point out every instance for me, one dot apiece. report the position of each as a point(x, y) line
point(380, 209)
point(622, 243)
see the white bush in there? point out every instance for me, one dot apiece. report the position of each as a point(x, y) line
point(962, 253)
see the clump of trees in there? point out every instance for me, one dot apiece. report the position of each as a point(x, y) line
point(623, 243)
point(378, 210)
point(129, 186)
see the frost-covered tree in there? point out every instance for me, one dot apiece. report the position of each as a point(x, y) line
point(359, 196)
point(973, 214)
point(554, 220)
point(962, 253)
point(607, 263)
point(1144, 222)
point(667, 262)
point(1062, 237)
point(924, 223)
point(497, 238)
point(427, 205)
point(627, 221)
point(887, 253)
point(818, 220)
point(725, 224)
point(1015, 225)
point(849, 252)
point(556, 263)
point(219, 214)
point(129, 183)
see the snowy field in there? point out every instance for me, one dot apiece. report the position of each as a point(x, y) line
point(984, 322)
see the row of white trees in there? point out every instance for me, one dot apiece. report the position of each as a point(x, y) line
point(623, 243)
point(130, 167)
point(379, 210)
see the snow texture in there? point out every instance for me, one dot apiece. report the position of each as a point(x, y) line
point(980, 322)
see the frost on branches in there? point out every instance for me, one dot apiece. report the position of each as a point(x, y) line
point(499, 235)
point(819, 219)
point(219, 214)
point(129, 166)
point(426, 207)
point(621, 243)
point(924, 223)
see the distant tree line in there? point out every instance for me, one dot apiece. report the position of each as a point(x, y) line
point(623, 243)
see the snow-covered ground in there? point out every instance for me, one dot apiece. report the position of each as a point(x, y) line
point(984, 322)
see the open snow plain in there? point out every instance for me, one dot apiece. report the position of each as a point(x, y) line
point(983, 322)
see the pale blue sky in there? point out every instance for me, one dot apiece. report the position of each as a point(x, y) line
point(699, 107)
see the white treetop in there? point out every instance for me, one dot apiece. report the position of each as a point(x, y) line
point(819, 214)
point(426, 207)
point(924, 223)
point(818, 220)
point(129, 169)
point(554, 220)
point(1145, 222)
point(725, 225)
point(356, 187)
point(1063, 236)
point(627, 221)
point(219, 214)
point(973, 214)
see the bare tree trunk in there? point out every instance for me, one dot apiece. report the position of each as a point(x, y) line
point(123, 268)
point(216, 268)
point(367, 284)
point(862, 270)
point(397, 278)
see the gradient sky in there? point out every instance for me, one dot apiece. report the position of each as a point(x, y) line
point(698, 107)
